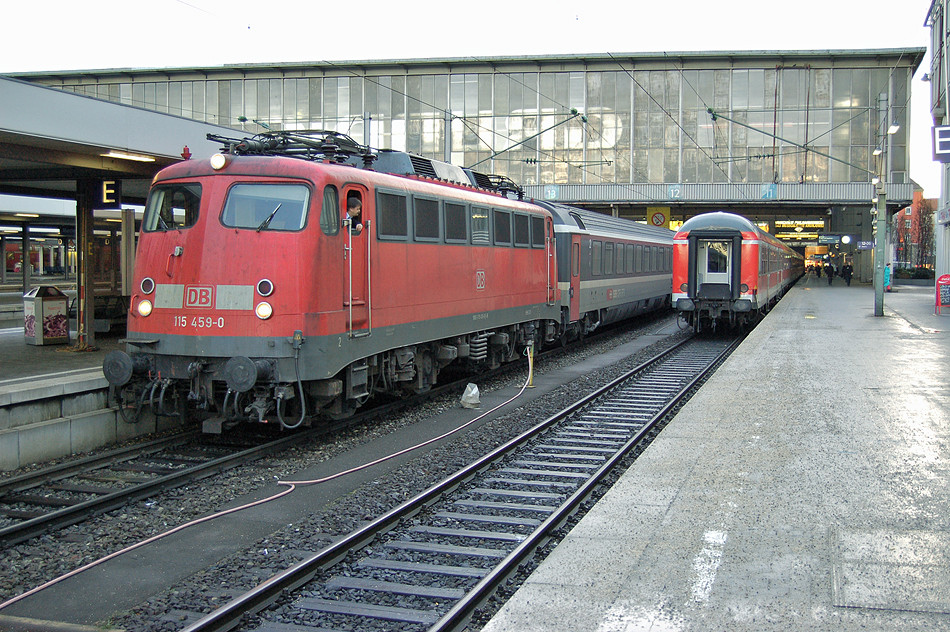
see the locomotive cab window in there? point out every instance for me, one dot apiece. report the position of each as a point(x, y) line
point(172, 207)
point(260, 207)
point(330, 213)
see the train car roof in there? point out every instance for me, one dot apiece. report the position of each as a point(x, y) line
point(718, 221)
point(583, 219)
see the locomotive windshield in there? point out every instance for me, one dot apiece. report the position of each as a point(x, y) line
point(172, 206)
point(266, 206)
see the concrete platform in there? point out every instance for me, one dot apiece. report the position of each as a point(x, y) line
point(806, 487)
point(54, 401)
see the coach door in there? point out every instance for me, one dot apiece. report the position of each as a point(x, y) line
point(575, 291)
point(357, 299)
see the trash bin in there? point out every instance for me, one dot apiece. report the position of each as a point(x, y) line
point(45, 320)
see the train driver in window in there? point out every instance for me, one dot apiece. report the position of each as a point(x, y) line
point(354, 209)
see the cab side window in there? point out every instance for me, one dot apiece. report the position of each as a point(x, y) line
point(330, 213)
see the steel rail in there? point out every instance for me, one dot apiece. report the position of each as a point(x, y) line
point(230, 614)
point(73, 514)
point(69, 468)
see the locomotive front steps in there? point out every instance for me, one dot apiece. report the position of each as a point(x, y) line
point(49, 417)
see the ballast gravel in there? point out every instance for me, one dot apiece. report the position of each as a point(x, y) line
point(42, 559)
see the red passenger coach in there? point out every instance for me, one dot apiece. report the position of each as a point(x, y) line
point(727, 272)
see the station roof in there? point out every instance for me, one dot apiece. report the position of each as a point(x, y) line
point(910, 56)
point(50, 139)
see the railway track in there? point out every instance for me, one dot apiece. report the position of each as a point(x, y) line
point(56, 497)
point(69, 493)
point(429, 563)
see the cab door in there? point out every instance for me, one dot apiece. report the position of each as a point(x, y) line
point(357, 300)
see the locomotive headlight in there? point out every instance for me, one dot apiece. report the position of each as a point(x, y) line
point(263, 310)
point(144, 307)
point(684, 287)
point(265, 287)
point(147, 285)
point(743, 288)
point(218, 161)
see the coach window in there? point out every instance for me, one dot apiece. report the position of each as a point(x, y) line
point(619, 258)
point(522, 230)
point(425, 219)
point(608, 258)
point(596, 259)
point(480, 227)
point(171, 207)
point(502, 223)
point(630, 261)
point(537, 231)
point(391, 216)
point(330, 213)
point(639, 258)
point(717, 256)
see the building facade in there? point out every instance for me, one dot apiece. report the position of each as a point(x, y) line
point(625, 131)
point(939, 88)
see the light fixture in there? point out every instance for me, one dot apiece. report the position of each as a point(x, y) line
point(893, 128)
point(126, 156)
point(874, 200)
point(877, 151)
point(264, 310)
point(218, 161)
point(26, 215)
point(875, 181)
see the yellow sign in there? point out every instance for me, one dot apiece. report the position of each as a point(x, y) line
point(658, 216)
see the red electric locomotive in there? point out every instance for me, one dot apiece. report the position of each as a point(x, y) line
point(727, 272)
point(261, 295)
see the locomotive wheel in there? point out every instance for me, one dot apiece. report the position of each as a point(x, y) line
point(129, 406)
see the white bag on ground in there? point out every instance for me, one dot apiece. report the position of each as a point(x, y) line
point(470, 397)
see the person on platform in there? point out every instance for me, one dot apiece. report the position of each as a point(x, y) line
point(846, 272)
point(830, 272)
point(887, 278)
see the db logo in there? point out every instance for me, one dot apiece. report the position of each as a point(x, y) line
point(479, 279)
point(199, 296)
